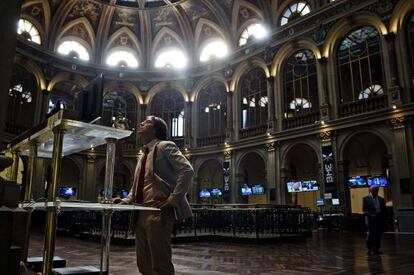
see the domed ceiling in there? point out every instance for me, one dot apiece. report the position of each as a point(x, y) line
point(146, 26)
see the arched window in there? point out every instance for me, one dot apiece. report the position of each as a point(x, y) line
point(212, 111)
point(256, 30)
point(254, 99)
point(295, 10)
point(410, 31)
point(300, 83)
point(68, 94)
point(121, 106)
point(171, 58)
point(214, 49)
point(122, 58)
point(73, 49)
point(27, 30)
point(169, 105)
point(22, 100)
point(360, 64)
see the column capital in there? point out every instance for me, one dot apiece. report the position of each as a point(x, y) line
point(326, 136)
point(398, 122)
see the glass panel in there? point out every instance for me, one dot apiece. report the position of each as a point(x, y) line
point(214, 49)
point(69, 47)
point(118, 58)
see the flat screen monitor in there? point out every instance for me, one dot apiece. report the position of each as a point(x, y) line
point(335, 201)
point(124, 194)
point(204, 193)
point(258, 189)
point(92, 99)
point(310, 185)
point(294, 186)
point(380, 181)
point(320, 202)
point(216, 192)
point(357, 182)
point(246, 190)
point(67, 191)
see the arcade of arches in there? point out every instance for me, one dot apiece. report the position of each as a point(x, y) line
point(281, 102)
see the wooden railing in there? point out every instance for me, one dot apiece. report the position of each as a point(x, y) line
point(362, 106)
point(301, 120)
point(253, 222)
point(211, 140)
point(253, 131)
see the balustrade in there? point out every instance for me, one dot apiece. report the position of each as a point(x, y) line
point(253, 131)
point(301, 120)
point(362, 106)
point(211, 140)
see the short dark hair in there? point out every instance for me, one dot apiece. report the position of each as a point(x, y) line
point(160, 127)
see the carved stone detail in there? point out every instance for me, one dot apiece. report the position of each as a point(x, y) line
point(398, 122)
point(326, 136)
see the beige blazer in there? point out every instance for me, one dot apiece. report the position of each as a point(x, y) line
point(172, 176)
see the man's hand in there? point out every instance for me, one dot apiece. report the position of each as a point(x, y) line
point(118, 201)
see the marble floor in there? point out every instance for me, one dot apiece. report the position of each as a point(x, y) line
point(321, 253)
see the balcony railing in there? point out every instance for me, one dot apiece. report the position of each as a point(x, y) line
point(301, 120)
point(362, 106)
point(253, 131)
point(211, 140)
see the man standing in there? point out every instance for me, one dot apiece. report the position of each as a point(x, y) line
point(162, 179)
point(375, 212)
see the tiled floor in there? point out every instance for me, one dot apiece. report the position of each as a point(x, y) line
point(321, 253)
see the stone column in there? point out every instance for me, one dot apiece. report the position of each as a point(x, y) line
point(402, 187)
point(322, 89)
point(391, 70)
point(187, 127)
point(271, 173)
point(271, 104)
point(229, 156)
point(230, 126)
point(9, 16)
point(284, 178)
point(89, 184)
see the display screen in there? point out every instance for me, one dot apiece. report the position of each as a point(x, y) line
point(246, 190)
point(67, 191)
point(378, 181)
point(258, 189)
point(310, 185)
point(204, 193)
point(335, 201)
point(294, 186)
point(320, 201)
point(356, 182)
point(216, 192)
point(124, 194)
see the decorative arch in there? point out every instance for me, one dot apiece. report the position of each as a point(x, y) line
point(64, 76)
point(85, 34)
point(130, 41)
point(127, 86)
point(163, 86)
point(290, 48)
point(199, 164)
point(159, 43)
point(315, 148)
point(251, 14)
point(205, 81)
point(281, 8)
point(344, 26)
point(34, 69)
point(258, 152)
point(244, 67)
point(369, 130)
point(399, 14)
point(43, 29)
point(200, 40)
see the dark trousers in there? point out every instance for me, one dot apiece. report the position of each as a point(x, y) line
point(153, 242)
point(375, 226)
